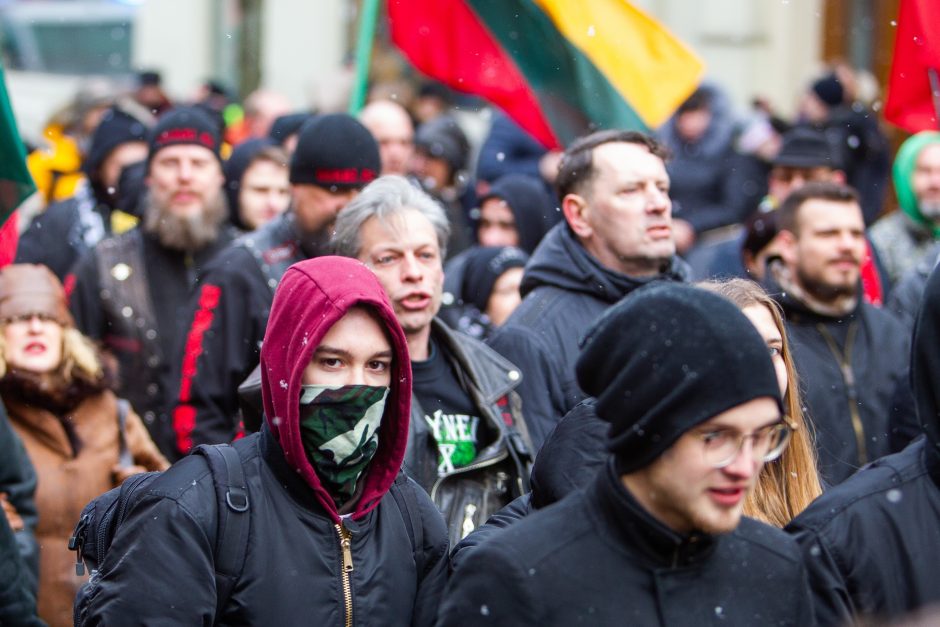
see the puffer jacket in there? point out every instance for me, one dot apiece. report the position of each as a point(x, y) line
point(468, 495)
point(72, 469)
point(305, 564)
point(598, 558)
point(565, 289)
point(872, 544)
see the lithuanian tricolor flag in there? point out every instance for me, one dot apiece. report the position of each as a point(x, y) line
point(557, 67)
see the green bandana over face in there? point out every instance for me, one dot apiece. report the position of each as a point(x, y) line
point(339, 428)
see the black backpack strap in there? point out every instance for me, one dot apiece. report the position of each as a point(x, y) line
point(408, 507)
point(232, 497)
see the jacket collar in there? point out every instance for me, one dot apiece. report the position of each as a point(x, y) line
point(639, 531)
point(493, 374)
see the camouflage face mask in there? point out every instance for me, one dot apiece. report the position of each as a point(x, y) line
point(339, 428)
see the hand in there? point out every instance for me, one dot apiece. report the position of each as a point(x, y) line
point(683, 234)
point(13, 518)
point(123, 472)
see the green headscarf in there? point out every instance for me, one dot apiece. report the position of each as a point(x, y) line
point(903, 173)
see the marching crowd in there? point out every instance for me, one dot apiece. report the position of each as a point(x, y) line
point(318, 368)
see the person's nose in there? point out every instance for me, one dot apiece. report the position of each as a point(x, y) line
point(657, 200)
point(411, 268)
point(35, 324)
point(745, 464)
point(185, 171)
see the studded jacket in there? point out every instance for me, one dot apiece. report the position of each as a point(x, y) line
point(130, 293)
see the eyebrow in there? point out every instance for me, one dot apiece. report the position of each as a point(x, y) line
point(718, 426)
point(323, 348)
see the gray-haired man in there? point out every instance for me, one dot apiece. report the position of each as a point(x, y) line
point(468, 445)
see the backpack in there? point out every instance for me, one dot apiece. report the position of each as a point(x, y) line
point(102, 517)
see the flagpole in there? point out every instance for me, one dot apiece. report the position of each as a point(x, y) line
point(367, 22)
point(934, 92)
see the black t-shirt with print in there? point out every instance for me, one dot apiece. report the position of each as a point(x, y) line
point(449, 411)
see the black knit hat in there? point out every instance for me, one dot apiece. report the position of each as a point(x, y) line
point(665, 359)
point(116, 127)
point(804, 148)
point(185, 125)
point(829, 90)
point(483, 268)
point(335, 151)
point(442, 138)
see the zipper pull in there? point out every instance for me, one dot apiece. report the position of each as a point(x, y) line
point(345, 543)
point(76, 542)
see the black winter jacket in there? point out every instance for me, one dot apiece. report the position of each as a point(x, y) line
point(159, 569)
point(18, 483)
point(17, 599)
point(134, 302)
point(565, 289)
point(851, 418)
point(226, 319)
point(598, 558)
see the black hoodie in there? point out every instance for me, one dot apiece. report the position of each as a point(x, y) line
point(564, 289)
point(872, 544)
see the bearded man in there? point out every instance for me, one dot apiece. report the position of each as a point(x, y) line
point(130, 292)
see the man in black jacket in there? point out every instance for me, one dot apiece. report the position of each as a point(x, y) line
point(616, 236)
point(872, 543)
point(657, 537)
point(131, 291)
point(851, 356)
point(467, 441)
point(336, 534)
point(335, 157)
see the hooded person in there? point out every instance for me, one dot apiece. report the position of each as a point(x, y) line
point(516, 211)
point(902, 238)
point(256, 185)
point(872, 543)
point(63, 232)
point(683, 379)
point(328, 504)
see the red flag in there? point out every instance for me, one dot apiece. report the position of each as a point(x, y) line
point(910, 104)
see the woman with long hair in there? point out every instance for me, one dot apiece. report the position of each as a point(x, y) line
point(787, 485)
point(80, 437)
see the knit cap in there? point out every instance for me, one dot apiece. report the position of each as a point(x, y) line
point(666, 358)
point(335, 151)
point(185, 125)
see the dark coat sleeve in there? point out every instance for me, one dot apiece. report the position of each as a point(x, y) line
point(227, 316)
point(18, 483)
point(516, 510)
point(17, 602)
point(434, 578)
point(489, 588)
point(831, 602)
point(159, 568)
point(543, 388)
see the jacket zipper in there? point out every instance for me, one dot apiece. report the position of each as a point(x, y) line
point(345, 545)
point(482, 464)
point(848, 377)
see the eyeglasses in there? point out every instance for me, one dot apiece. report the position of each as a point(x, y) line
point(722, 446)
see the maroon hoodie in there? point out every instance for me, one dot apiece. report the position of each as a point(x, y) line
point(310, 298)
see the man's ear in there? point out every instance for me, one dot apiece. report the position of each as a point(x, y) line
point(576, 210)
point(786, 243)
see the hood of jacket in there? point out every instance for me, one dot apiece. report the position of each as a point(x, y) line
point(925, 369)
point(902, 173)
point(561, 261)
point(312, 296)
point(532, 207)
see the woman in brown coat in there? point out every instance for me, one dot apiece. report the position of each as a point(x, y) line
point(56, 393)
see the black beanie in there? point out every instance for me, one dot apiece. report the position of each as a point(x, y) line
point(442, 138)
point(286, 125)
point(234, 170)
point(483, 268)
point(335, 151)
point(829, 90)
point(185, 125)
point(532, 207)
point(116, 127)
point(665, 359)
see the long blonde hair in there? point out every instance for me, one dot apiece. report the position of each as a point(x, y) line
point(787, 485)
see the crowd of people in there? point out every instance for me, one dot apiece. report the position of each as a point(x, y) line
point(655, 378)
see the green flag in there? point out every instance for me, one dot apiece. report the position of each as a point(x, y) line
point(15, 182)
